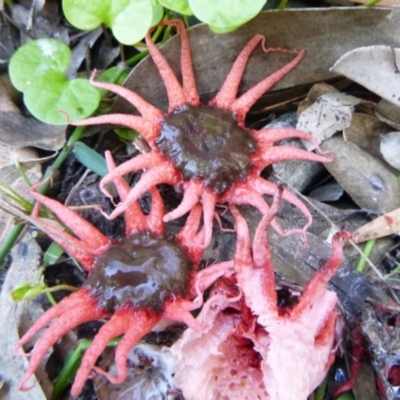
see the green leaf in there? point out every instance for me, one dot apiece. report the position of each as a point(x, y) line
point(179, 6)
point(226, 13)
point(32, 63)
point(128, 19)
point(158, 13)
point(38, 70)
point(224, 29)
point(57, 102)
point(126, 134)
point(53, 254)
point(90, 159)
point(26, 291)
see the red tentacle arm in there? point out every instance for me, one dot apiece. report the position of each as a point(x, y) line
point(142, 161)
point(163, 173)
point(86, 311)
point(320, 280)
point(270, 155)
point(227, 94)
point(207, 276)
point(69, 303)
point(188, 237)
point(267, 137)
point(249, 276)
point(189, 82)
point(147, 110)
point(176, 96)
point(92, 239)
point(133, 325)
point(208, 200)
point(179, 310)
point(135, 220)
point(242, 105)
point(147, 129)
point(155, 218)
point(244, 194)
point(191, 196)
point(265, 187)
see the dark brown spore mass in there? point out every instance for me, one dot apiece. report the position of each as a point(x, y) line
point(207, 143)
point(141, 269)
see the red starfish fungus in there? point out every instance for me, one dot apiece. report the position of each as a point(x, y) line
point(133, 282)
point(252, 348)
point(206, 149)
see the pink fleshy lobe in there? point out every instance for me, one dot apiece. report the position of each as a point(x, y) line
point(253, 348)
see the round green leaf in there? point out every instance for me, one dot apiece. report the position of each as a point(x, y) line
point(88, 14)
point(31, 63)
point(225, 29)
point(226, 13)
point(51, 103)
point(128, 19)
point(158, 13)
point(179, 6)
point(132, 23)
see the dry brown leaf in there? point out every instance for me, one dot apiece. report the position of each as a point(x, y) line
point(390, 148)
point(385, 225)
point(331, 113)
point(19, 131)
point(325, 34)
point(364, 131)
point(374, 67)
point(15, 316)
point(389, 113)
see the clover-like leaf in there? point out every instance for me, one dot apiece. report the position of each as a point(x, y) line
point(158, 12)
point(33, 62)
point(179, 6)
point(128, 19)
point(38, 70)
point(225, 15)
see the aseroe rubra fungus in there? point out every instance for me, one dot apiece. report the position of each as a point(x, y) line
point(132, 283)
point(252, 348)
point(206, 149)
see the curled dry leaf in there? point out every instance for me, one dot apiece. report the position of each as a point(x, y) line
point(389, 113)
point(16, 130)
point(364, 131)
point(390, 148)
point(374, 67)
point(330, 113)
point(347, 28)
point(384, 225)
point(370, 184)
point(24, 268)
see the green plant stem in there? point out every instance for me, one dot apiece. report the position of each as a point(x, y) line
point(17, 229)
point(23, 174)
point(13, 195)
point(60, 287)
point(167, 34)
point(186, 21)
point(321, 390)
point(371, 3)
point(72, 364)
point(157, 33)
point(367, 251)
point(136, 58)
point(282, 4)
point(346, 396)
